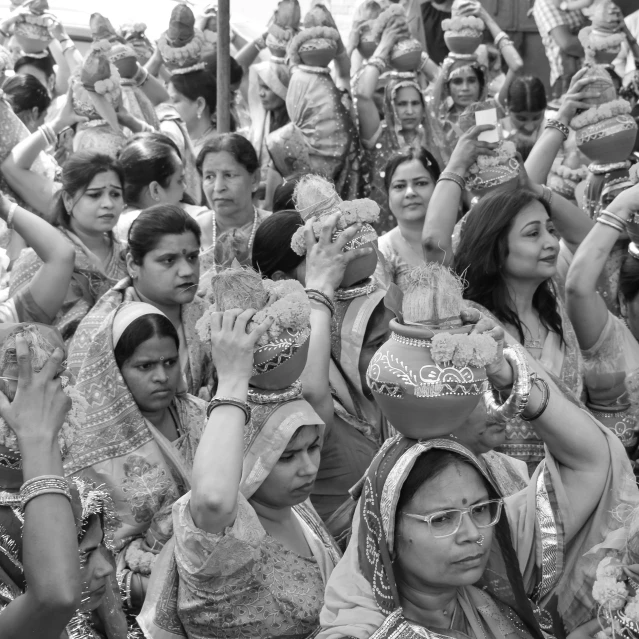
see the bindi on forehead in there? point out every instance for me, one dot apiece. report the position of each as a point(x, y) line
point(464, 501)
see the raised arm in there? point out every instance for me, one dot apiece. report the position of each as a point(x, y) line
point(326, 262)
point(50, 284)
point(50, 548)
point(36, 190)
point(367, 82)
point(545, 150)
point(571, 435)
point(443, 207)
point(217, 467)
point(502, 41)
point(586, 309)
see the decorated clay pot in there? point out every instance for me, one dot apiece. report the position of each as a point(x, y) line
point(278, 365)
point(632, 228)
point(127, 67)
point(318, 52)
point(502, 176)
point(406, 55)
point(363, 267)
point(606, 56)
point(608, 141)
point(420, 398)
point(463, 42)
point(604, 183)
point(367, 45)
point(31, 45)
point(276, 46)
point(619, 421)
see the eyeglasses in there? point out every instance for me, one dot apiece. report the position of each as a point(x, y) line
point(445, 523)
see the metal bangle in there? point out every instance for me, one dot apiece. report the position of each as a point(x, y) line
point(453, 177)
point(545, 398)
point(614, 216)
point(499, 37)
point(230, 401)
point(12, 211)
point(612, 225)
point(321, 298)
point(546, 195)
point(560, 126)
point(378, 63)
point(127, 589)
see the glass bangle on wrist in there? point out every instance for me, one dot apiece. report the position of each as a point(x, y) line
point(542, 384)
point(230, 401)
point(560, 126)
point(453, 177)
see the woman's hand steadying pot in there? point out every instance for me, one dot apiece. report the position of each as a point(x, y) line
point(326, 259)
point(469, 148)
point(232, 346)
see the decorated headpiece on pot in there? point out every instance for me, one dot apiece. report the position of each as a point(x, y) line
point(31, 29)
point(316, 45)
point(606, 132)
point(181, 45)
point(365, 17)
point(96, 86)
point(406, 54)
point(283, 27)
point(102, 29)
point(462, 33)
point(280, 354)
point(429, 376)
point(42, 341)
point(135, 35)
point(316, 199)
point(490, 171)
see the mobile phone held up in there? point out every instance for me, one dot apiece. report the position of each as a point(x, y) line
point(488, 116)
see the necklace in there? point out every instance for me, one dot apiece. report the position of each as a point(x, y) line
point(251, 237)
point(533, 342)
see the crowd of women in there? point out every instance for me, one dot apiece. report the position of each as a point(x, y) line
point(196, 435)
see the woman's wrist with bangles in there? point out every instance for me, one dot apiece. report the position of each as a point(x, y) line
point(612, 220)
point(536, 406)
point(320, 296)
point(452, 176)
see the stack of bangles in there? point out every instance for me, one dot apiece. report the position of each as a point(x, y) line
point(449, 176)
point(502, 40)
point(513, 407)
point(560, 126)
point(612, 220)
point(317, 296)
point(542, 384)
point(48, 134)
point(378, 63)
point(124, 584)
point(43, 485)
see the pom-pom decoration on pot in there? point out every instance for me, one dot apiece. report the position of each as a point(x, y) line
point(181, 44)
point(280, 355)
point(606, 132)
point(31, 29)
point(283, 27)
point(429, 376)
point(406, 54)
point(564, 180)
point(316, 199)
point(462, 33)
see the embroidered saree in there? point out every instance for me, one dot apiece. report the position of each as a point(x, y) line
point(242, 582)
point(535, 577)
point(119, 449)
point(195, 360)
point(321, 136)
point(90, 281)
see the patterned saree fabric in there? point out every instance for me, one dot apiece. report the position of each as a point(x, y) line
point(90, 281)
point(118, 448)
point(243, 582)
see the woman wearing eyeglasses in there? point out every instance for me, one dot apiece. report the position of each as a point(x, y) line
point(437, 549)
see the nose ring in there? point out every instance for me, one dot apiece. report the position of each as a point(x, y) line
point(480, 541)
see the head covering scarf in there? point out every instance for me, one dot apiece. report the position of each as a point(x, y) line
point(378, 505)
point(120, 449)
point(271, 428)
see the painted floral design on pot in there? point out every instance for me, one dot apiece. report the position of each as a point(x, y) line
point(430, 374)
